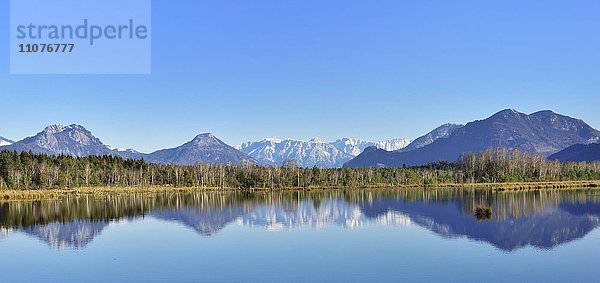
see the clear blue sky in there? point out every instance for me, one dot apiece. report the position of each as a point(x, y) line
point(246, 70)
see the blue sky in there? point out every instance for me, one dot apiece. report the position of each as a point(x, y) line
point(246, 70)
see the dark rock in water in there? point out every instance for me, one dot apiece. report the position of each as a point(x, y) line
point(483, 213)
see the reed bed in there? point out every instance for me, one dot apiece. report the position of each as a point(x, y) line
point(49, 194)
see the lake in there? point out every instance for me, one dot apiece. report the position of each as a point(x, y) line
point(382, 235)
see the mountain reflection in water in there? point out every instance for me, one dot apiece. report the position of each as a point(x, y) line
point(543, 219)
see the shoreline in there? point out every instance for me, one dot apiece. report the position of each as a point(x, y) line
point(50, 194)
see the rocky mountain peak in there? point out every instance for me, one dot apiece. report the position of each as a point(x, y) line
point(53, 129)
point(543, 132)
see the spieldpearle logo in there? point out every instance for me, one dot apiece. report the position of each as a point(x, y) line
point(80, 37)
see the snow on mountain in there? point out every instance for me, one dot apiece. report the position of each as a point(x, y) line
point(5, 141)
point(351, 146)
point(306, 153)
point(314, 152)
point(123, 150)
point(393, 145)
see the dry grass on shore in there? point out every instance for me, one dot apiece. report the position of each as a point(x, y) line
point(43, 194)
point(49, 194)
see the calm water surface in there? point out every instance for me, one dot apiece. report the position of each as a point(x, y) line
point(341, 236)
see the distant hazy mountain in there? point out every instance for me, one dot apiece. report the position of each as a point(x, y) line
point(5, 141)
point(204, 148)
point(126, 153)
point(72, 140)
point(314, 152)
point(437, 133)
point(578, 152)
point(543, 132)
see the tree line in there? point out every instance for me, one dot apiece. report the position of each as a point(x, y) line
point(26, 170)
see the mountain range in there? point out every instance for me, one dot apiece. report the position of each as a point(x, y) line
point(543, 132)
point(332, 154)
point(72, 140)
point(76, 140)
point(313, 152)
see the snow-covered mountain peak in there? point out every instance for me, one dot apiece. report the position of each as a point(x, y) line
point(5, 141)
point(273, 140)
point(393, 144)
point(314, 152)
point(348, 141)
